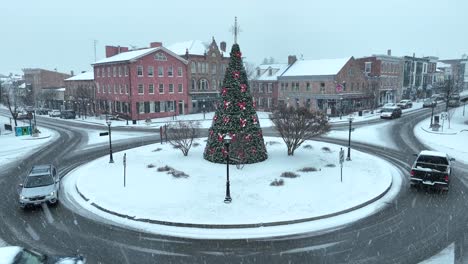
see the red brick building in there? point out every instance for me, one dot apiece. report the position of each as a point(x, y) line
point(44, 83)
point(384, 74)
point(144, 83)
point(80, 92)
point(264, 86)
point(334, 86)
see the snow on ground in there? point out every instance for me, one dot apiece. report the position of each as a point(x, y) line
point(445, 256)
point(95, 138)
point(453, 140)
point(14, 147)
point(378, 135)
point(199, 198)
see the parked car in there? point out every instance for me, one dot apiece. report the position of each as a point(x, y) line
point(41, 185)
point(403, 104)
point(24, 115)
point(390, 112)
point(42, 111)
point(54, 113)
point(453, 102)
point(68, 114)
point(19, 255)
point(431, 168)
point(429, 102)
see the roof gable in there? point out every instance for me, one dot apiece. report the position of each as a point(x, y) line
point(136, 54)
point(316, 67)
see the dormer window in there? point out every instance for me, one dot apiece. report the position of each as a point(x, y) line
point(270, 72)
point(160, 57)
point(258, 72)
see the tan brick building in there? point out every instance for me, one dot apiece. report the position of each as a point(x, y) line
point(42, 82)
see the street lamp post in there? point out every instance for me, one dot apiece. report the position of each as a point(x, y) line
point(432, 114)
point(111, 159)
point(341, 107)
point(227, 141)
point(204, 109)
point(349, 138)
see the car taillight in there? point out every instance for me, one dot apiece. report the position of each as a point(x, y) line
point(446, 178)
point(412, 172)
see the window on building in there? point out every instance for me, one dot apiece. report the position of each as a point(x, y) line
point(270, 72)
point(141, 107)
point(297, 87)
point(150, 71)
point(108, 72)
point(139, 70)
point(169, 106)
point(180, 88)
point(194, 84)
point(98, 73)
point(160, 56)
point(307, 86)
point(151, 88)
point(368, 67)
point(193, 67)
point(147, 107)
point(109, 89)
point(160, 71)
point(126, 70)
point(126, 89)
point(161, 88)
point(141, 89)
point(213, 84)
point(120, 89)
point(170, 71)
point(322, 87)
point(171, 88)
point(120, 71)
point(213, 68)
point(114, 71)
point(179, 71)
point(270, 88)
point(203, 84)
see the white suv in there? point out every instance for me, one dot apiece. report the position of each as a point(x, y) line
point(41, 185)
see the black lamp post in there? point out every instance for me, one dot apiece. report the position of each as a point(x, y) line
point(111, 159)
point(432, 113)
point(349, 139)
point(204, 109)
point(341, 107)
point(227, 141)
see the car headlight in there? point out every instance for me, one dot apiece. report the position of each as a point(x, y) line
point(22, 197)
point(52, 194)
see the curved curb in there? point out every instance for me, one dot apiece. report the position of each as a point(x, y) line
point(256, 225)
point(440, 133)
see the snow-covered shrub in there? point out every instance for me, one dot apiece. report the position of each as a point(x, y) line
point(277, 182)
point(289, 174)
point(308, 169)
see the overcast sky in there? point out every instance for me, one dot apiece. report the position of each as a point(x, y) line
point(59, 34)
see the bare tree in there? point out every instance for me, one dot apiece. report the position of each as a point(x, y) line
point(84, 95)
point(47, 96)
point(296, 125)
point(13, 102)
point(181, 134)
point(249, 70)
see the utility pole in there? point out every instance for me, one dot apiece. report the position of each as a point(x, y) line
point(95, 44)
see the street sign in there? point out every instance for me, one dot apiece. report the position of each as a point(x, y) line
point(444, 115)
point(341, 156)
point(125, 168)
point(339, 88)
point(104, 134)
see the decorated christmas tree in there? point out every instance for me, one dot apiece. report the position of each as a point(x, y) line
point(235, 116)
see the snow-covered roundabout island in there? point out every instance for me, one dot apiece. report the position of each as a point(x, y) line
point(192, 206)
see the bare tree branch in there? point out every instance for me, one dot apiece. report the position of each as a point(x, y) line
point(297, 125)
point(181, 134)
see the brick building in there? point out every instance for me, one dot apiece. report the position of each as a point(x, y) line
point(80, 91)
point(206, 66)
point(264, 86)
point(44, 86)
point(459, 72)
point(335, 86)
point(384, 74)
point(143, 83)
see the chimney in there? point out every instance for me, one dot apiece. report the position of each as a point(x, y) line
point(389, 52)
point(72, 73)
point(155, 44)
point(223, 46)
point(111, 51)
point(291, 59)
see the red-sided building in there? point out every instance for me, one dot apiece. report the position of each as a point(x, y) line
point(145, 83)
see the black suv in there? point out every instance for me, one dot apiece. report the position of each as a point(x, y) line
point(68, 114)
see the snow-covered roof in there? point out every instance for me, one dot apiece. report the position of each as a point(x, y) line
point(86, 76)
point(277, 70)
point(443, 65)
point(433, 153)
point(316, 67)
point(196, 47)
point(135, 54)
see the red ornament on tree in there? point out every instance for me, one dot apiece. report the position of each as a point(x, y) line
point(224, 91)
point(239, 54)
point(243, 122)
point(253, 150)
point(212, 151)
point(215, 117)
point(241, 105)
point(243, 87)
point(254, 120)
point(211, 132)
point(226, 104)
point(236, 74)
point(226, 119)
point(220, 137)
point(233, 137)
point(248, 137)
